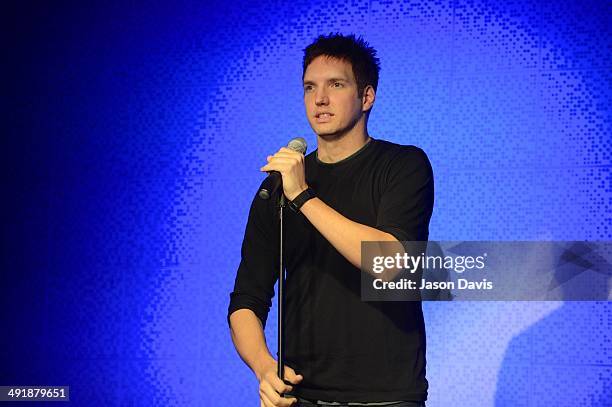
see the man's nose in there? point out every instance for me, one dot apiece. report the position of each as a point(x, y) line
point(321, 98)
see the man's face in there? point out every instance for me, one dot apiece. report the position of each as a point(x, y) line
point(330, 96)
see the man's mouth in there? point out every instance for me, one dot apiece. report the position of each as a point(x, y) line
point(323, 117)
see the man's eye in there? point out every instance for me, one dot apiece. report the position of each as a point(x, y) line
point(307, 88)
point(338, 84)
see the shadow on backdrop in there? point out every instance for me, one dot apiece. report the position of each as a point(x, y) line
point(571, 341)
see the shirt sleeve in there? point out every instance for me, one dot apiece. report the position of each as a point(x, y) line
point(257, 272)
point(408, 196)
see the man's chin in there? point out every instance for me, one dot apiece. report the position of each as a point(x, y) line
point(329, 137)
point(328, 133)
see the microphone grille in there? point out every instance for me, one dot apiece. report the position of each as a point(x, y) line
point(298, 144)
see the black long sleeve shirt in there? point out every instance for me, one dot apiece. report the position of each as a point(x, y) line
point(345, 348)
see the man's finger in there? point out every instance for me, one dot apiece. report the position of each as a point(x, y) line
point(292, 401)
point(286, 402)
point(269, 394)
point(277, 164)
point(265, 400)
point(283, 155)
point(280, 385)
point(288, 150)
point(284, 160)
point(280, 167)
point(291, 376)
point(273, 387)
point(289, 153)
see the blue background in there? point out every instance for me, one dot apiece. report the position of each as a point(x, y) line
point(133, 138)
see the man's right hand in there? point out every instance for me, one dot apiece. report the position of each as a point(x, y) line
point(271, 387)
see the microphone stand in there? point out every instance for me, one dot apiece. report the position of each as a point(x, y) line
point(281, 292)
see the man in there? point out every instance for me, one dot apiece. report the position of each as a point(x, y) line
point(353, 188)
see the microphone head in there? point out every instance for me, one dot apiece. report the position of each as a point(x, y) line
point(298, 144)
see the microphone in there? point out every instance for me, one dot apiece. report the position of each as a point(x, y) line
point(274, 180)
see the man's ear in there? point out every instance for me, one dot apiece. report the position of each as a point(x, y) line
point(368, 98)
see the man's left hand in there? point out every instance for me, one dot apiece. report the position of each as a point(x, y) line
point(291, 166)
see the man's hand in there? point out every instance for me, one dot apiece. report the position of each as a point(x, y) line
point(291, 166)
point(271, 387)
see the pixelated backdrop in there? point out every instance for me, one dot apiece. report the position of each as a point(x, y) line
point(133, 138)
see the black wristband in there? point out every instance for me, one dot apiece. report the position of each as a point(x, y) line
point(301, 199)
